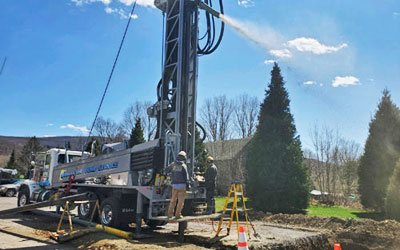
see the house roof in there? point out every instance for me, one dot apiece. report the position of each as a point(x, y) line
point(226, 150)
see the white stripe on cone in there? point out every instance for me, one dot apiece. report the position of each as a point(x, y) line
point(242, 244)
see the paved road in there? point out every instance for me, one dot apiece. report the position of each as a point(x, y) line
point(16, 231)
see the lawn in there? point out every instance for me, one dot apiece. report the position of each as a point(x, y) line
point(220, 202)
point(341, 212)
point(322, 211)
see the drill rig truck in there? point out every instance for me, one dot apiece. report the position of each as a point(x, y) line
point(139, 188)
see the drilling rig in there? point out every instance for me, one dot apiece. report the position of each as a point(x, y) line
point(137, 186)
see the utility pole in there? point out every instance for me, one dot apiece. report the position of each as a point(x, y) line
point(4, 63)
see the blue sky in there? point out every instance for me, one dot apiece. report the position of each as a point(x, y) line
point(336, 58)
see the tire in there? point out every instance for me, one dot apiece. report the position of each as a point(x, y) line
point(85, 209)
point(23, 197)
point(110, 212)
point(10, 193)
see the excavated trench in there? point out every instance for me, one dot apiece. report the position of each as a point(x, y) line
point(270, 237)
point(309, 243)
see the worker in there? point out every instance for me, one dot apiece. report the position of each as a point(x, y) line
point(211, 181)
point(180, 181)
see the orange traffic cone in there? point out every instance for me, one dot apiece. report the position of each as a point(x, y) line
point(337, 247)
point(242, 244)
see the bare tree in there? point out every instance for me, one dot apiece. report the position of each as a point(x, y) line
point(216, 117)
point(246, 110)
point(132, 113)
point(333, 164)
point(350, 153)
point(107, 130)
point(209, 117)
point(149, 124)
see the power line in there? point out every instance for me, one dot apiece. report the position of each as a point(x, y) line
point(4, 63)
point(111, 74)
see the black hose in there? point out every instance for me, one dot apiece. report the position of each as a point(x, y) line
point(204, 131)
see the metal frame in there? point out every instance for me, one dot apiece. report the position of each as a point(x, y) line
point(179, 80)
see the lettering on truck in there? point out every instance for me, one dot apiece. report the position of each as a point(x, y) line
point(64, 174)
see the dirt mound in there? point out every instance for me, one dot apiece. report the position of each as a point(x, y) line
point(352, 234)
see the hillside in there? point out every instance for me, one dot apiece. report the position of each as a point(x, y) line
point(8, 143)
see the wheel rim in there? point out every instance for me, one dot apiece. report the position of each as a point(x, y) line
point(106, 214)
point(84, 209)
point(22, 200)
point(10, 193)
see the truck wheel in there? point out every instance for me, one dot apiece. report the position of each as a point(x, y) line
point(85, 209)
point(10, 193)
point(110, 210)
point(23, 197)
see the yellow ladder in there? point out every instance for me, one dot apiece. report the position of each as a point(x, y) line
point(235, 192)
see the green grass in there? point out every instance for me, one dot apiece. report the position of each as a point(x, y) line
point(220, 202)
point(322, 211)
point(341, 212)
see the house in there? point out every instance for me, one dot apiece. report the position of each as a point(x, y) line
point(229, 157)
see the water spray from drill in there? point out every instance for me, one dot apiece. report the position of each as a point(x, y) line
point(265, 38)
point(245, 30)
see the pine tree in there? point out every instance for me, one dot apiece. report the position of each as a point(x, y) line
point(277, 179)
point(200, 152)
point(381, 153)
point(392, 203)
point(137, 134)
point(26, 156)
point(12, 162)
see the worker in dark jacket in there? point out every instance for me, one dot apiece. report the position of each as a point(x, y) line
point(211, 181)
point(180, 180)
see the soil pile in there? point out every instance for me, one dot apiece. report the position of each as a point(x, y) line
point(352, 234)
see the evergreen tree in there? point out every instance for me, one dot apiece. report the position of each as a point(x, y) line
point(26, 156)
point(392, 204)
point(12, 162)
point(277, 179)
point(97, 146)
point(137, 134)
point(381, 153)
point(200, 152)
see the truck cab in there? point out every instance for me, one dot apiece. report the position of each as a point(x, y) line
point(38, 187)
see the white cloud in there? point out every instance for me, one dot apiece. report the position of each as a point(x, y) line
point(49, 136)
point(281, 53)
point(246, 3)
point(109, 10)
point(269, 61)
point(304, 44)
point(81, 2)
point(76, 128)
point(122, 13)
point(50, 125)
point(145, 3)
point(345, 81)
point(309, 83)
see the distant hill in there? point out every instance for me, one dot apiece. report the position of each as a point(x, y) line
point(8, 143)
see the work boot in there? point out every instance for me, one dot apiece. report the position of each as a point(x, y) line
point(178, 217)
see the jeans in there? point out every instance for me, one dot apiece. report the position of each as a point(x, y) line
point(210, 199)
point(177, 194)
